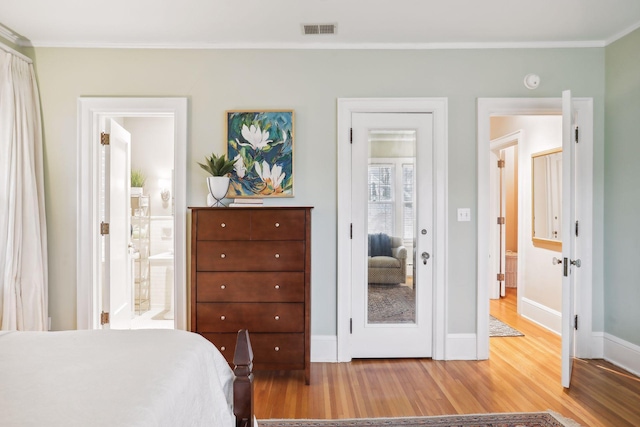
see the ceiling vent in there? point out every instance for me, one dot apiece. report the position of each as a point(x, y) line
point(310, 29)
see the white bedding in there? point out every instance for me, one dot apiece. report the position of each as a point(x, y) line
point(113, 378)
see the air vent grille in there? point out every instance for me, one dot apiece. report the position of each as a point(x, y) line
point(311, 29)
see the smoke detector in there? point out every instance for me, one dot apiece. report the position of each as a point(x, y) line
point(314, 29)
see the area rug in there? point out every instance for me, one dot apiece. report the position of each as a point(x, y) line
point(501, 329)
point(530, 419)
point(391, 304)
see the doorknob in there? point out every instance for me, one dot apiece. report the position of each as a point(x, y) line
point(556, 261)
point(576, 262)
point(425, 257)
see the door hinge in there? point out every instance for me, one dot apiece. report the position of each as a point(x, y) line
point(500, 220)
point(104, 138)
point(350, 135)
point(575, 322)
point(104, 228)
point(351, 231)
point(577, 227)
point(500, 277)
point(500, 163)
point(351, 325)
point(104, 318)
point(577, 134)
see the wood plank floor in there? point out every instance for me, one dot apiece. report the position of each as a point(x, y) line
point(521, 375)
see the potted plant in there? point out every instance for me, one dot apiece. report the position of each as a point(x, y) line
point(219, 168)
point(137, 182)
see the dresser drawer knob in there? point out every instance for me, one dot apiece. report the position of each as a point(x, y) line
point(223, 286)
point(276, 348)
point(223, 256)
point(277, 255)
point(223, 317)
point(277, 286)
point(277, 224)
point(223, 225)
point(223, 348)
point(277, 317)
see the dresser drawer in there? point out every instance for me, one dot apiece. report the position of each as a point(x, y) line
point(278, 225)
point(223, 224)
point(256, 317)
point(250, 256)
point(250, 287)
point(268, 349)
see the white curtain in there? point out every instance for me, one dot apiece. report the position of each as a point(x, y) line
point(23, 233)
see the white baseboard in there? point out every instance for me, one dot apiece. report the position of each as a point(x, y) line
point(542, 315)
point(597, 345)
point(622, 353)
point(461, 347)
point(324, 348)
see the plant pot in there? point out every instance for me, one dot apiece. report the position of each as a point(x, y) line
point(218, 188)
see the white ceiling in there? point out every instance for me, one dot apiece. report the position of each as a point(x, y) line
point(278, 23)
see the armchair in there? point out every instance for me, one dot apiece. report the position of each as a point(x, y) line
point(387, 262)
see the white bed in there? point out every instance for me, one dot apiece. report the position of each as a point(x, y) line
point(113, 378)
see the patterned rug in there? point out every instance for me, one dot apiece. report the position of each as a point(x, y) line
point(531, 419)
point(500, 329)
point(391, 304)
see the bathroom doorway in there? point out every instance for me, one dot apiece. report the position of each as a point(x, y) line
point(158, 211)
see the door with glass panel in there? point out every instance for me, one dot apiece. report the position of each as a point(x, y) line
point(392, 235)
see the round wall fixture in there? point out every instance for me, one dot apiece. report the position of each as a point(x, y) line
point(531, 81)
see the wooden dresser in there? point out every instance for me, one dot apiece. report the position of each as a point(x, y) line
point(251, 269)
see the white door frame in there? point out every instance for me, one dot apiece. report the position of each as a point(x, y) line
point(488, 107)
point(438, 107)
point(90, 112)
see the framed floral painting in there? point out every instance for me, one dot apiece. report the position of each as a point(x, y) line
point(261, 144)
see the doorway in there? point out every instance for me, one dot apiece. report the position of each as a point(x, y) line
point(488, 108)
point(165, 194)
point(349, 208)
point(524, 241)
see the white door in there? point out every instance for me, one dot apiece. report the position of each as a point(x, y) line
point(498, 229)
point(569, 260)
point(392, 190)
point(116, 285)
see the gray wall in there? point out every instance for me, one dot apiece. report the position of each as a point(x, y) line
point(309, 82)
point(622, 192)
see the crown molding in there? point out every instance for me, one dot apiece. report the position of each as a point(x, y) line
point(622, 33)
point(9, 35)
point(328, 46)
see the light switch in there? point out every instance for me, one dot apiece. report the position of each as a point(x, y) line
point(464, 214)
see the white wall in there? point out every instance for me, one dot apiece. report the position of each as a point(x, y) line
point(541, 290)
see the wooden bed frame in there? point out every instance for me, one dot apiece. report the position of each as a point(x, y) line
point(243, 382)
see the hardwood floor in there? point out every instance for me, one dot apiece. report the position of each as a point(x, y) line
point(521, 375)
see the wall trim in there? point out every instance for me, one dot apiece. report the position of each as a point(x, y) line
point(91, 111)
point(487, 107)
point(461, 347)
point(597, 345)
point(324, 348)
point(439, 108)
point(542, 315)
point(622, 353)
point(327, 46)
